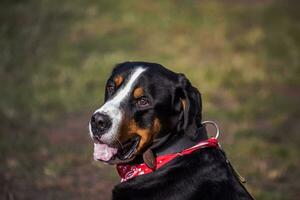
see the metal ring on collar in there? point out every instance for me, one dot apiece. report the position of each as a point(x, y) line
point(215, 125)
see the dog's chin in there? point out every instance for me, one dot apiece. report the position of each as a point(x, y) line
point(123, 153)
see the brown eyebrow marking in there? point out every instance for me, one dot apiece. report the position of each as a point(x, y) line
point(138, 92)
point(118, 80)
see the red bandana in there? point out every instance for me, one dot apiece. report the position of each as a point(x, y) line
point(127, 172)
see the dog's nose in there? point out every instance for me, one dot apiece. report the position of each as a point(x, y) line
point(100, 123)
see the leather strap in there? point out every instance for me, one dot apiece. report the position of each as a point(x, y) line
point(179, 142)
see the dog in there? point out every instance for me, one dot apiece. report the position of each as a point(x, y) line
point(150, 126)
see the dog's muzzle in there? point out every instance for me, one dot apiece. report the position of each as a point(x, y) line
point(112, 152)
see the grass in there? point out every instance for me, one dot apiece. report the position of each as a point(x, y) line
point(243, 57)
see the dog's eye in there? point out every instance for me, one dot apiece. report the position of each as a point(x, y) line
point(110, 89)
point(142, 102)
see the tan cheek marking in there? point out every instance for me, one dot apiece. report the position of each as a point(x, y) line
point(143, 133)
point(146, 135)
point(145, 138)
point(156, 127)
point(138, 92)
point(127, 131)
point(124, 132)
point(118, 80)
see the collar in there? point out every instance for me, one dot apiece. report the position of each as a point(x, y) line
point(178, 142)
point(128, 171)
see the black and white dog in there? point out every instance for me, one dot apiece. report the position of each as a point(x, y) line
point(150, 127)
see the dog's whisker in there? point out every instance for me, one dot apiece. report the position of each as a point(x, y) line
point(120, 143)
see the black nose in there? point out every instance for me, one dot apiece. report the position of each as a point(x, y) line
point(100, 123)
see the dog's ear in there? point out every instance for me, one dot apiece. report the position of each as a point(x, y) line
point(190, 105)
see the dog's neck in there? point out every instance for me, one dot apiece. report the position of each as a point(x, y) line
point(178, 142)
point(173, 143)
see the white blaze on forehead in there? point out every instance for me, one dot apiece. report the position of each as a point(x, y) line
point(112, 107)
point(123, 92)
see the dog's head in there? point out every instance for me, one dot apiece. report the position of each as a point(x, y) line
point(143, 103)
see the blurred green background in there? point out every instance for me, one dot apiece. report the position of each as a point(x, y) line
point(244, 57)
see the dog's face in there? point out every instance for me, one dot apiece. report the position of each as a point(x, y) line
point(143, 102)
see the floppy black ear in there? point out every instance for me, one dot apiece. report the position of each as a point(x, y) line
point(191, 106)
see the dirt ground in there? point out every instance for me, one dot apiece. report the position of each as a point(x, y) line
point(64, 168)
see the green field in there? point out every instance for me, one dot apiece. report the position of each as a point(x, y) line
point(243, 56)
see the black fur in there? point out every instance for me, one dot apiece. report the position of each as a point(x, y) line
point(192, 113)
point(204, 174)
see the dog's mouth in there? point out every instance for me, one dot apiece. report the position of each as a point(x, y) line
point(123, 153)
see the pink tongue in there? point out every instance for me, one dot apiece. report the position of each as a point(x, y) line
point(103, 152)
